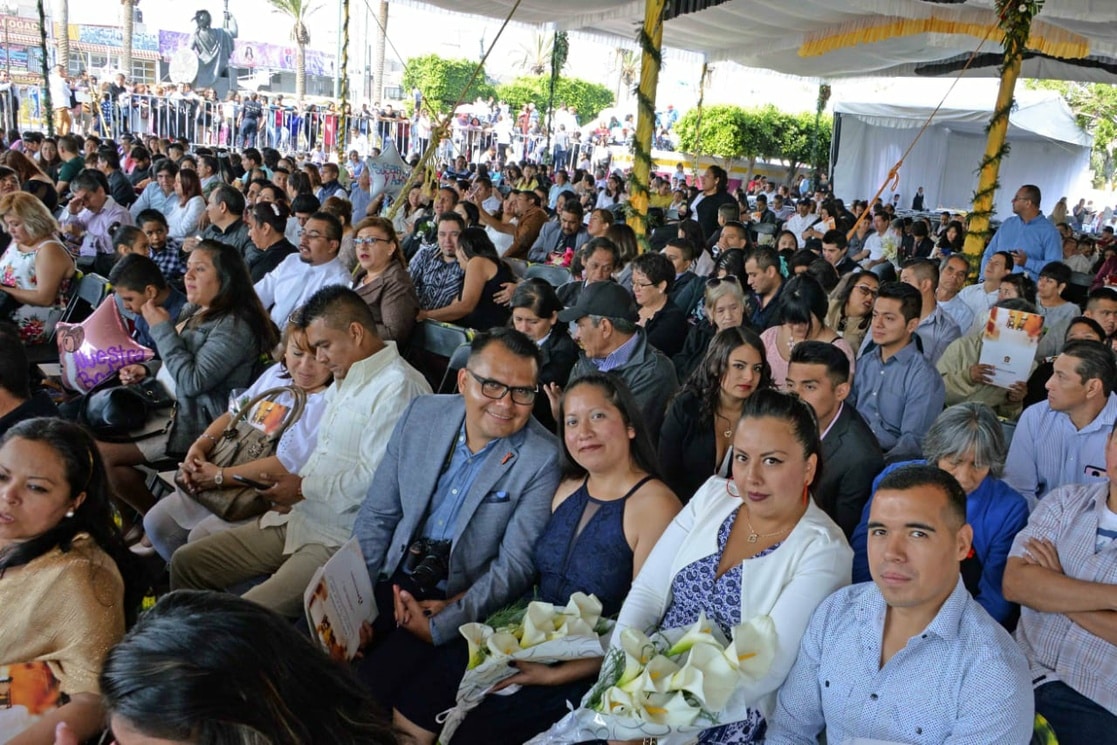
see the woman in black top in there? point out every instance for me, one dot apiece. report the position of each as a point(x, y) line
point(696, 439)
point(484, 274)
point(664, 322)
point(267, 222)
point(535, 309)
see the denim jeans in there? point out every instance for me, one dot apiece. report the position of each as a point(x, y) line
point(1076, 719)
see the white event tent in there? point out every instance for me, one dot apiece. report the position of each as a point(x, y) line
point(1048, 148)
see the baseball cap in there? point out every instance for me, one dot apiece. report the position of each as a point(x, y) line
point(606, 299)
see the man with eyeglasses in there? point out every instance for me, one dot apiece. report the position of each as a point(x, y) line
point(300, 275)
point(1028, 236)
point(454, 510)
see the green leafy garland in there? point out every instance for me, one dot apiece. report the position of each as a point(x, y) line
point(1015, 20)
point(646, 107)
point(560, 48)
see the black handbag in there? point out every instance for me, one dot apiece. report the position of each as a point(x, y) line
point(115, 411)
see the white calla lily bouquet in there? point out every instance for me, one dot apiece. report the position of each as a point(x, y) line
point(673, 683)
point(540, 632)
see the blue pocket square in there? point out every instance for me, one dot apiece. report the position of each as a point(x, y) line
point(496, 496)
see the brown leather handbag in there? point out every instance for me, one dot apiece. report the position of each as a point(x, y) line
point(241, 443)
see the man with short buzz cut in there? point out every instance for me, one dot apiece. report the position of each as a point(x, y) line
point(835, 249)
point(556, 238)
point(136, 280)
point(733, 235)
point(982, 296)
point(313, 511)
point(1101, 306)
point(1062, 440)
point(1062, 570)
point(69, 150)
point(911, 656)
point(476, 504)
point(1029, 237)
point(300, 275)
point(224, 209)
point(896, 389)
point(605, 328)
point(766, 283)
point(530, 219)
point(208, 174)
point(108, 163)
point(818, 373)
point(936, 329)
point(435, 270)
point(330, 184)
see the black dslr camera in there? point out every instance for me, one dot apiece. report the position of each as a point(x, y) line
point(428, 563)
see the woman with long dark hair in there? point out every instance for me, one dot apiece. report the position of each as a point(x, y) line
point(485, 273)
point(183, 216)
point(535, 309)
point(65, 575)
point(206, 667)
point(695, 442)
point(216, 345)
point(851, 306)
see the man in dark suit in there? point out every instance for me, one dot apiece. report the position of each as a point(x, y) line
point(819, 374)
point(455, 508)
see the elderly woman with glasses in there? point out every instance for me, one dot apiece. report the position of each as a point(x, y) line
point(382, 280)
point(723, 308)
point(851, 307)
point(967, 442)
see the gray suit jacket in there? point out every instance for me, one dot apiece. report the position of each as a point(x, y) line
point(548, 237)
point(499, 523)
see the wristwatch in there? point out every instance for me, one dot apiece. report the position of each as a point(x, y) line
point(219, 479)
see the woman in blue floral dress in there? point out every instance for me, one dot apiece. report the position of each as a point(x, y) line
point(749, 546)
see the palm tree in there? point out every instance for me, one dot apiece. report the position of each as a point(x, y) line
point(378, 52)
point(62, 19)
point(627, 65)
point(297, 11)
point(129, 10)
point(535, 56)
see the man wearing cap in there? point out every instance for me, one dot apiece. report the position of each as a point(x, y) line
point(605, 319)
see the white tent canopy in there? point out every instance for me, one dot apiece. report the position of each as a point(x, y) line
point(1071, 39)
point(1048, 149)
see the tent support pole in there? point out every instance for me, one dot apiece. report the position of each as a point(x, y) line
point(1015, 21)
point(651, 46)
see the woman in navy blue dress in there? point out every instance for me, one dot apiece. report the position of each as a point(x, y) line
point(607, 514)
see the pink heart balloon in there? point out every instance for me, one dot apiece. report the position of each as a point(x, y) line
point(91, 351)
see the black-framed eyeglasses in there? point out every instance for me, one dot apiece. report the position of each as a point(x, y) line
point(496, 390)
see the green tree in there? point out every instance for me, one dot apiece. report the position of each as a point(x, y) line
point(797, 141)
point(297, 11)
point(732, 132)
point(442, 81)
point(1095, 108)
point(626, 63)
point(589, 98)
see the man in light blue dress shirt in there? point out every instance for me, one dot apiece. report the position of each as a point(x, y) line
point(910, 657)
point(1029, 236)
point(1062, 440)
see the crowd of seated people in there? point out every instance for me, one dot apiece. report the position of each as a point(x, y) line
point(785, 407)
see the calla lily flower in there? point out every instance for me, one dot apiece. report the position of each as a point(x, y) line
point(572, 626)
point(670, 709)
point(618, 703)
point(655, 678)
point(638, 651)
point(583, 606)
point(708, 676)
point(539, 624)
point(753, 647)
point(502, 644)
point(701, 632)
point(476, 635)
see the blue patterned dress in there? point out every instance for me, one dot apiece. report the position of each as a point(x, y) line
point(697, 588)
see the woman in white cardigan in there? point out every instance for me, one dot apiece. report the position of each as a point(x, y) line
point(754, 545)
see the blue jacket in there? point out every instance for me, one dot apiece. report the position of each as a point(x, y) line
point(994, 510)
